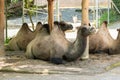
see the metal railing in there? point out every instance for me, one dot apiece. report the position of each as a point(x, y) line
point(115, 7)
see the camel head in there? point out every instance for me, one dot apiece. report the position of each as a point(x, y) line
point(78, 47)
point(63, 25)
point(85, 30)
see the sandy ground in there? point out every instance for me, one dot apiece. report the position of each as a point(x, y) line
point(14, 66)
point(15, 61)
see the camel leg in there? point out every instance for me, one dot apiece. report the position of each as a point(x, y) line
point(29, 52)
point(54, 58)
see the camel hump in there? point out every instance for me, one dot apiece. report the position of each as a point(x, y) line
point(46, 27)
point(105, 24)
point(38, 26)
point(25, 28)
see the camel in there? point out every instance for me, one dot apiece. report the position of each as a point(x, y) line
point(23, 37)
point(54, 47)
point(115, 48)
point(101, 41)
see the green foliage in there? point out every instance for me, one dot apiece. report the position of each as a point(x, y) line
point(14, 1)
point(117, 3)
point(29, 4)
point(113, 16)
point(7, 40)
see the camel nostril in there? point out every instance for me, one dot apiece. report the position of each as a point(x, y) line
point(92, 30)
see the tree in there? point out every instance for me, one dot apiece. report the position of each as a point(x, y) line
point(85, 21)
point(2, 24)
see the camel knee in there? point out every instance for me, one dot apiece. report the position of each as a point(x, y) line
point(29, 56)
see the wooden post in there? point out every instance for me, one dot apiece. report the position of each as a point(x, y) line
point(2, 24)
point(50, 13)
point(85, 12)
point(85, 21)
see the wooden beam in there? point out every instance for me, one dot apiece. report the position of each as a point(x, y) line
point(85, 12)
point(85, 21)
point(2, 24)
point(50, 13)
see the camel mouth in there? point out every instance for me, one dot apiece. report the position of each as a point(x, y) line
point(92, 30)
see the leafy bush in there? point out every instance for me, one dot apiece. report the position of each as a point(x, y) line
point(117, 3)
point(7, 40)
point(114, 16)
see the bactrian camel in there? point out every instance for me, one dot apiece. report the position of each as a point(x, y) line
point(55, 47)
point(25, 35)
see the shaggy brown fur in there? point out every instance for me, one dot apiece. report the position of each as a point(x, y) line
point(55, 46)
point(23, 37)
point(115, 48)
point(101, 41)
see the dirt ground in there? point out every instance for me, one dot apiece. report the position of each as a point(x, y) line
point(15, 61)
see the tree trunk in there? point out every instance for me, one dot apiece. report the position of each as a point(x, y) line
point(2, 24)
point(50, 13)
point(85, 21)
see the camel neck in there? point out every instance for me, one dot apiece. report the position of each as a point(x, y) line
point(80, 45)
point(77, 48)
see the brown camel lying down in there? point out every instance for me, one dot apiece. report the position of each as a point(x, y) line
point(25, 35)
point(55, 47)
point(115, 48)
point(101, 41)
